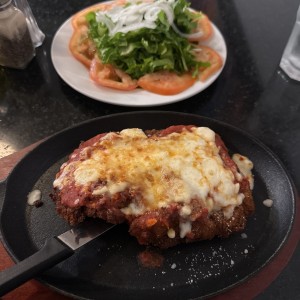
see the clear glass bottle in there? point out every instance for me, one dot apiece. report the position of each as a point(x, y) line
point(16, 48)
point(290, 61)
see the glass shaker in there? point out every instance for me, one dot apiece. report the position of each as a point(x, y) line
point(37, 36)
point(290, 61)
point(16, 48)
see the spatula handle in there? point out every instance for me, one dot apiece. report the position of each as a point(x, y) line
point(48, 256)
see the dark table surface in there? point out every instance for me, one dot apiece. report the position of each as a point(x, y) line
point(251, 93)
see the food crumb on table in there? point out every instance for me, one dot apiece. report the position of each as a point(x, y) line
point(244, 235)
point(268, 203)
point(173, 266)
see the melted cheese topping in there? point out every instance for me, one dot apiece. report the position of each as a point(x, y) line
point(245, 166)
point(178, 167)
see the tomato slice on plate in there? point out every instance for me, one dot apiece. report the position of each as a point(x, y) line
point(206, 54)
point(82, 47)
point(166, 83)
point(204, 25)
point(107, 75)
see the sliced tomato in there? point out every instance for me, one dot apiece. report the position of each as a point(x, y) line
point(82, 47)
point(206, 54)
point(79, 18)
point(204, 26)
point(107, 75)
point(166, 83)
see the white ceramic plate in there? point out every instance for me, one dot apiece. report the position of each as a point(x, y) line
point(76, 75)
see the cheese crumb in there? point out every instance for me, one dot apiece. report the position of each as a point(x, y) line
point(34, 196)
point(185, 228)
point(268, 202)
point(171, 233)
point(244, 235)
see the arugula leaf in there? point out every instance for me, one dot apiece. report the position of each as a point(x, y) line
point(185, 19)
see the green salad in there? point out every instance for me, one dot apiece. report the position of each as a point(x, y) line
point(143, 37)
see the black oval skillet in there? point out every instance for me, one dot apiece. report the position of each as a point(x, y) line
point(108, 268)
